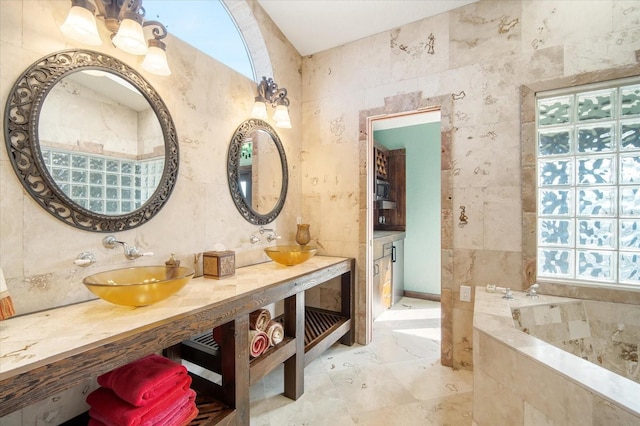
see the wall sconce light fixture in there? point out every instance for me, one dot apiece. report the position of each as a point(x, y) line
point(125, 19)
point(269, 93)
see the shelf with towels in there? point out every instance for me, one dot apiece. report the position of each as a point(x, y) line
point(322, 328)
point(308, 332)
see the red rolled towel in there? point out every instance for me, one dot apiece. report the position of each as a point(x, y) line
point(107, 408)
point(258, 342)
point(217, 335)
point(275, 332)
point(142, 381)
point(259, 319)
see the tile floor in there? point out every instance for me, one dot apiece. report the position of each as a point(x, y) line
point(395, 380)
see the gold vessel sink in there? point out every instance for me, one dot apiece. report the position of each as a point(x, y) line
point(290, 255)
point(138, 286)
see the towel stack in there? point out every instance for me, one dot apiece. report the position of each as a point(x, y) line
point(150, 391)
point(263, 332)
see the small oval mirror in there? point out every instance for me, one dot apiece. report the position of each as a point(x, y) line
point(257, 172)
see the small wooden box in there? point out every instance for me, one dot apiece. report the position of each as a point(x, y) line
point(219, 264)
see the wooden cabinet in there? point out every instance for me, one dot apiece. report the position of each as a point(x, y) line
point(395, 173)
point(397, 218)
point(380, 162)
point(398, 270)
point(385, 281)
point(382, 277)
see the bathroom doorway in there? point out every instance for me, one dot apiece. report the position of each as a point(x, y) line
point(394, 107)
point(417, 136)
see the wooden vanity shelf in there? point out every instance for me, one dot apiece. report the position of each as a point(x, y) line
point(210, 410)
point(321, 330)
point(45, 368)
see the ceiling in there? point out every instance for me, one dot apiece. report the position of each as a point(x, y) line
point(316, 25)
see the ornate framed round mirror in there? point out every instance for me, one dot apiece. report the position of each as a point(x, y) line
point(257, 172)
point(91, 141)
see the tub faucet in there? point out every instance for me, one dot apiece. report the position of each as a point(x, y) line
point(507, 294)
point(532, 292)
point(131, 253)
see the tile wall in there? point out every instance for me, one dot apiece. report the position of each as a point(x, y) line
point(478, 56)
point(207, 101)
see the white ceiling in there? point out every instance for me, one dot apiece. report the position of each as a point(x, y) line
point(316, 25)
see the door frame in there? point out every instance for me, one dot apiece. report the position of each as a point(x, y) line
point(396, 106)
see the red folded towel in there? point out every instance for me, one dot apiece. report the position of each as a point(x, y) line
point(179, 413)
point(141, 381)
point(113, 411)
point(182, 414)
point(189, 415)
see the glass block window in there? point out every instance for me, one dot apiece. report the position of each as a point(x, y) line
point(588, 180)
point(102, 184)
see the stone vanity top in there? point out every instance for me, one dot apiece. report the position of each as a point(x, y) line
point(383, 237)
point(69, 336)
point(492, 315)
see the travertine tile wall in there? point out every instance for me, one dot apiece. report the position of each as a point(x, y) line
point(207, 101)
point(478, 56)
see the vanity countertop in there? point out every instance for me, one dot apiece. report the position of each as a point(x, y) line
point(95, 336)
point(382, 237)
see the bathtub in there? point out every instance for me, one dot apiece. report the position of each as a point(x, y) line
point(542, 361)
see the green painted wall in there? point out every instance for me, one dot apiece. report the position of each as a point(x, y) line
point(422, 243)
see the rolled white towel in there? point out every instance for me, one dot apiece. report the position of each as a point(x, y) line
point(275, 332)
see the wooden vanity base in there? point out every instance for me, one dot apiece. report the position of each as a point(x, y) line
point(35, 365)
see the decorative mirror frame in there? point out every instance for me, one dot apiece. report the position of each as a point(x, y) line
point(22, 113)
point(233, 163)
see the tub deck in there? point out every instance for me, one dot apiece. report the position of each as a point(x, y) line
point(531, 381)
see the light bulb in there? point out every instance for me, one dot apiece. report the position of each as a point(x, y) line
point(80, 26)
point(259, 110)
point(130, 38)
point(155, 61)
point(281, 114)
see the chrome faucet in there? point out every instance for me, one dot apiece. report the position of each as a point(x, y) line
point(84, 259)
point(273, 236)
point(532, 292)
point(507, 294)
point(254, 239)
point(131, 253)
